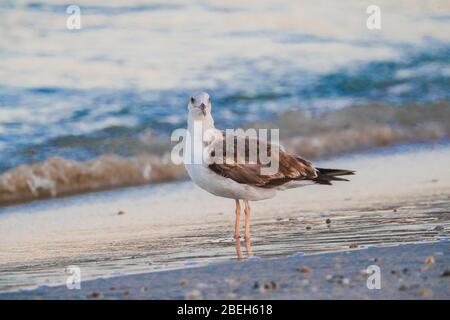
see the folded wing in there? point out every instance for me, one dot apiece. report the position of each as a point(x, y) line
point(242, 158)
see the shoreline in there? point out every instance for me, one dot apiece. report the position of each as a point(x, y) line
point(168, 173)
point(313, 136)
point(409, 271)
point(179, 175)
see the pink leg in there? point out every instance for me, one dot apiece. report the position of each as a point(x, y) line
point(238, 249)
point(248, 246)
point(247, 219)
point(237, 225)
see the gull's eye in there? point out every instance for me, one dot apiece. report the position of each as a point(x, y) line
point(192, 100)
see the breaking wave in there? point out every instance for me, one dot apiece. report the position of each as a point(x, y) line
point(60, 177)
point(330, 133)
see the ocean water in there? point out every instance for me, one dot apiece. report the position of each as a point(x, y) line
point(120, 84)
point(132, 66)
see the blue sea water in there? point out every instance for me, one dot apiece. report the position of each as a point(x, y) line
point(132, 66)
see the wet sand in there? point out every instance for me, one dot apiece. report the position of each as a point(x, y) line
point(398, 196)
point(412, 271)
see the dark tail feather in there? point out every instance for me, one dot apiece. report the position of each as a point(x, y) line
point(325, 176)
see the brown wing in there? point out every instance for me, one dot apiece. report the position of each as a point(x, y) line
point(231, 164)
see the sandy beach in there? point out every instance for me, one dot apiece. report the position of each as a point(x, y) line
point(144, 229)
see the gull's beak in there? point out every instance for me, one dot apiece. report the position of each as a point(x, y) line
point(203, 108)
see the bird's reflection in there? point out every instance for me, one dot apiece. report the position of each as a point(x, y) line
point(248, 247)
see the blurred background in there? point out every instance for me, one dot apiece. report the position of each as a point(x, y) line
point(79, 106)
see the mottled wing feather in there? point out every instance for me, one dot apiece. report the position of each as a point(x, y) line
point(248, 172)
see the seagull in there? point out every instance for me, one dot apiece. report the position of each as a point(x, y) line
point(224, 174)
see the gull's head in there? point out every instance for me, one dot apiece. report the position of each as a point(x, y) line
point(199, 105)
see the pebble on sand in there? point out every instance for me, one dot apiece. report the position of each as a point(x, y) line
point(337, 278)
point(429, 260)
point(193, 295)
point(426, 293)
point(403, 288)
point(120, 213)
point(271, 285)
point(304, 282)
point(328, 221)
point(95, 294)
point(264, 286)
point(304, 270)
point(353, 245)
point(183, 282)
point(446, 273)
